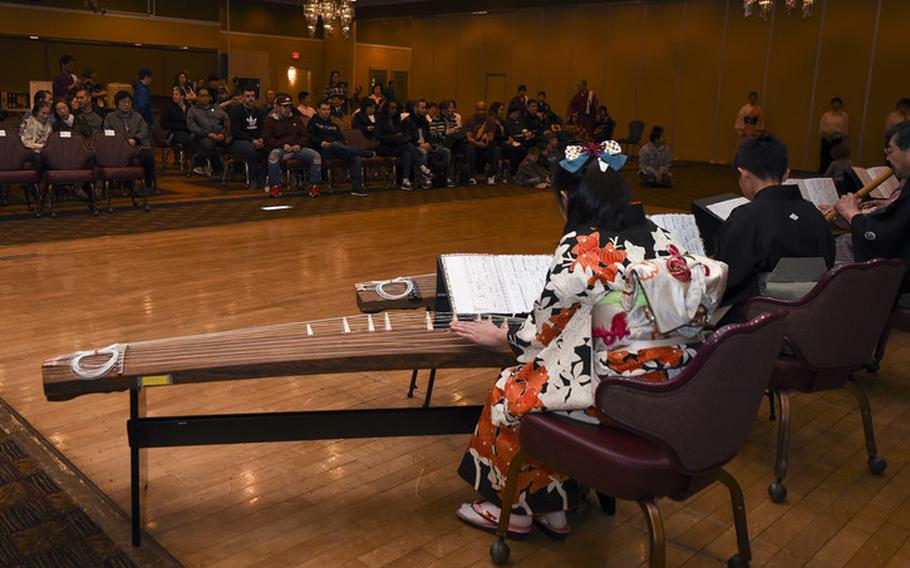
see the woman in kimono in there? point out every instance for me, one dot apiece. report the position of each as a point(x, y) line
point(621, 299)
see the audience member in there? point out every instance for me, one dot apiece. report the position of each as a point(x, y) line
point(544, 105)
point(65, 121)
point(395, 141)
point(304, 108)
point(376, 96)
point(326, 137)
point(582, 111)
point(173, 119)
point(534, 171)
point(518, 138)
point(89, 78)
point(436, 132)
point(66, 78)
point(246, 131)
point(537, 126)
point(520, 100)
point(183, 81)
point(336, 93)
point(86, 112)
point(654, 161)
point(604, 125)
point(777, 223)
point(99, 100)
point(123, 120)
point(431, 148)
point(833, 128)
point(482, 147)
point(389, 91)
point(37, 128)
point(899, 114)
point(142, 99)
point(40, 95)
point(366, 119)
point(285, 136)
point(209, 125)
point(270, 98)
point(840, 167)
point(750, 120)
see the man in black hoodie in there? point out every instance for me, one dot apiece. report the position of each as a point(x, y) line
point(246, 130)
point(326, 138)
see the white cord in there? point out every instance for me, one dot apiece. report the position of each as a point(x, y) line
point(115, 352)
point(408, 288)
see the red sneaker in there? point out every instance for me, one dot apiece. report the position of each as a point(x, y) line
point(276, 191)
point(314, 191)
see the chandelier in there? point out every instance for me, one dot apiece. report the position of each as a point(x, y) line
point(332, 13)
point(764, 7)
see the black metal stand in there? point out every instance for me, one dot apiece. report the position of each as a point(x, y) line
point(172, 431)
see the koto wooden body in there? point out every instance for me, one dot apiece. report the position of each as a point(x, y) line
point(340, 345)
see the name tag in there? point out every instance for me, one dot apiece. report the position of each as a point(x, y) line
point(109, 132)
point(66, 134)
point(2, 133)
point(155, 381)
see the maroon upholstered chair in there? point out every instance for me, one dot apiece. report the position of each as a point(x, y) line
point(67, 161)
point(828, 336)
point(14, 170)
point(667, 439)
point(386, 165)
point(115, 161)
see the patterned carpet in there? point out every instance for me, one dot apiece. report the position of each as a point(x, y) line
point(40, 525)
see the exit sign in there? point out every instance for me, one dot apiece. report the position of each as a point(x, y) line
point(295, 55)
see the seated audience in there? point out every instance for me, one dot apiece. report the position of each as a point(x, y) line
point(366, 120)
point(483, 132)
point(534, 170)
point(40, 95)
point(142, 98)
point(37, 128)
point(884, 232)
point(183, 81)
point(133, 127)
point(604, 125)
point(326, 137)
point(518, 137)
point(173, 119)
point(270, 97)
point(246, 131)
point(584, 327)
point(285, 136)
point(304, 108)
point(899, 114)
point(520, 100)
point(654, 161)
point(430, 146)
point(376, 96)
point(436, 128)
point(66, 79)
point(777, 223)
point(536, 124)
point(395, 140)
point(208, 123)
point(336, 93)
point(65, 121)
point(544, 105)
point(840, 166)
point(86, 112)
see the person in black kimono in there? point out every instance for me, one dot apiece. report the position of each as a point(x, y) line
point(777, 223)
point(884, 232)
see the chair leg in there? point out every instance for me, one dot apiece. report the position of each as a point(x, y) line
point(607, 503)
point(499, 550)
point(145, 196)
point(50, 200)
point(744, 550)
point(879, 354)
point(771, 414)
point(776, 490)
point(413, 386)
point(107, 193)
point(92, 201)
point(657, 538)
point(876, 464)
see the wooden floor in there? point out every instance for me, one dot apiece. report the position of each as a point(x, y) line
point(391, 501)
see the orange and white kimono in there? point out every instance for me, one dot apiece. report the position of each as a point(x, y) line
point(630, 303)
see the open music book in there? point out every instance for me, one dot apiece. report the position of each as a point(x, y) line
point(683, 229)
point(820, 191)
point(883, 191)
point(493, 283)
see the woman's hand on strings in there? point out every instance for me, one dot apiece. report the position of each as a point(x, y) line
point(484, 333)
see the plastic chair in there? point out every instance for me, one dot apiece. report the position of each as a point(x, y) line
point(821, 353)
point(115, 161)
point(667, 439)
point(68, 162)
point(636, 131)
point(14, 171)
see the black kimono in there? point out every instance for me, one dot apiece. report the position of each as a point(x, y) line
point(778, 223)
point(885, 233)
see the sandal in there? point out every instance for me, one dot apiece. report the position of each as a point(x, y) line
point(556, 533)
point(475, 515)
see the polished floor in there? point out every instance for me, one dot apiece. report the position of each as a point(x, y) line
point(390, 501)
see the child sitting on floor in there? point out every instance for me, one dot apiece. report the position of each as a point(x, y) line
point(534, 170)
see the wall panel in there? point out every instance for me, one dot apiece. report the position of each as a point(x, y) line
point(622, 61)
point(527, 32)
point(660, 50)
point(423, 58)
point(469, 87)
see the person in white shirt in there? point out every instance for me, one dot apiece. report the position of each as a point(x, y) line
point(833, 128)
point(750, 120)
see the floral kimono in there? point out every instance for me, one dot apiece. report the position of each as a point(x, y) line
point(627, 304)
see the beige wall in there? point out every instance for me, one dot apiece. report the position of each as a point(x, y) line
point(390, 58)
point(685, 64)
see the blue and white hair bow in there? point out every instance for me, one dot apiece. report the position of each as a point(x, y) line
point(608, 153)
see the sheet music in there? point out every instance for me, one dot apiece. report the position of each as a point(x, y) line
point(820, 191)
point(494, 284)
point(886, 188)
point(683, 229)
point(723, 209)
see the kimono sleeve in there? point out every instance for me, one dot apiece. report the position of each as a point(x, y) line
point(737, 247)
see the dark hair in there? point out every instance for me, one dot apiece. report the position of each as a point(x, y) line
point(494, 109)
point(837, 100)
point(41, 103)
point(522, 87)
point(302, 95)
point(376, 86)
point(177, 78)
point(207, 90)
point(432, 105)
point(656, 133)
point(65, 59)
point(903, 102)
point(595, 198)
point(386, 113)
point(144, 72)
point(753, 93)
point(544, 93)
point(764, 156)
point(80, 89)
point(39, 96)
point(334, 71)
point(533, 102)
point(247, 89)
point(122, 95)
point(180, 90)
point(901, 134)
point(514, 108)
point(367, 103)
point(324, 102)
point(64, 101)
point(840, 152)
